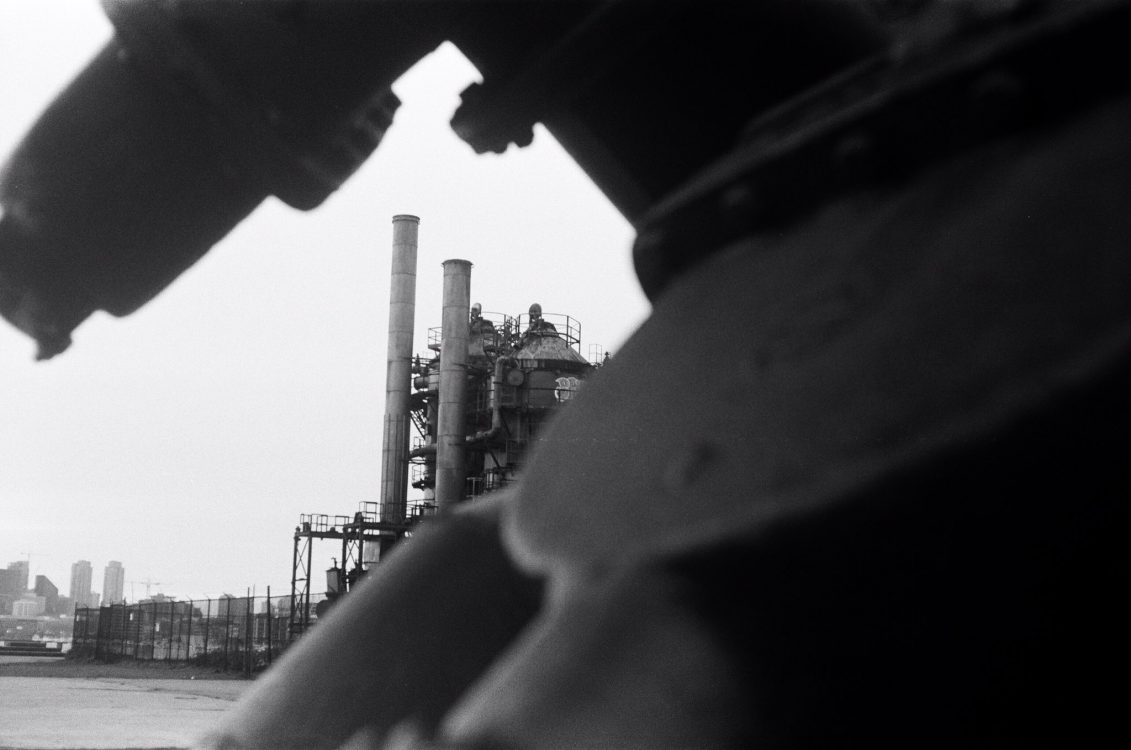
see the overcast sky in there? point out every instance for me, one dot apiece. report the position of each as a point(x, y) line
point(186, 439)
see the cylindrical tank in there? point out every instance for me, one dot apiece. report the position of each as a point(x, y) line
point(552, 368)
point(451, 457)
point(398, 372)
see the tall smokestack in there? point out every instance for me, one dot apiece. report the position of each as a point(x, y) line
point(398, 372)
point(451, 458)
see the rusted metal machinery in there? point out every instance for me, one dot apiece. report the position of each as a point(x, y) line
point(896, 516)
point(478, 401)
point(516, 373)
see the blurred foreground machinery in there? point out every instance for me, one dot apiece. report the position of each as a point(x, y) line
point(859, 481)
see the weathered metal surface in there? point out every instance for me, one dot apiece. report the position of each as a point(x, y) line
point(398, 371)
point(201, 110)
point(892, 325)
point(451, 453)
point(883, 120)
point(549, 347)
point(900, 509)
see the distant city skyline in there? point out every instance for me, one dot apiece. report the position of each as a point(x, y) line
point(15, 582)
point(18, 576)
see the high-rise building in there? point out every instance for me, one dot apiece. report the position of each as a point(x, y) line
point(114, 583)
point(21, 567)
point(9, 590)
point(49, 592)
point(13, 585)
point(81, 578)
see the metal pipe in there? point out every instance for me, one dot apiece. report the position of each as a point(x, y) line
point(306, 593)
point(424, 450)
point(495, 402)
point(398, 372)
point(451, 456)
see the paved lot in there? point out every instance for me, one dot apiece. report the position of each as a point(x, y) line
point(51, 713)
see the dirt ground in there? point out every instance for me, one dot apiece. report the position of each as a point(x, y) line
point(64, 667)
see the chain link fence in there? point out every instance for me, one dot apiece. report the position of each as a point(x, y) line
point(230, 633)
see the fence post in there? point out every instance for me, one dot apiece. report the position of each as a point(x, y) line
point(207, 628)
point(270, 617)
point(188, 642)
point(247, 649)
point(227, 630)
point(98, 636)
point(153, 635)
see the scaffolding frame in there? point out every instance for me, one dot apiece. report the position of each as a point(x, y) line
point(366, 527)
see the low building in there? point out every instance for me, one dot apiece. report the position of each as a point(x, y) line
point(29, 606)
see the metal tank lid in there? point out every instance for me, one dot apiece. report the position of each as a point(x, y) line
point(549, 347)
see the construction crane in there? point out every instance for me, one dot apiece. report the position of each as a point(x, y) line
point(148, 583)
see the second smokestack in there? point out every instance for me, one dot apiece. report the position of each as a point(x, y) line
point(451, 457)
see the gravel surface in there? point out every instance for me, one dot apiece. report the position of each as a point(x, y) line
point(57, 667)
point(108, 713)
